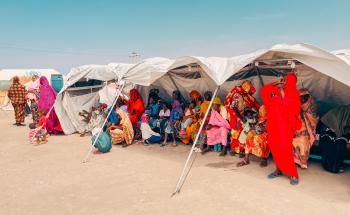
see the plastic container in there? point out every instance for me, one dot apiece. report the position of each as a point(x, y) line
point(57, 82)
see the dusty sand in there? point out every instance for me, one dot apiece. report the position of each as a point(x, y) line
point(51, 179)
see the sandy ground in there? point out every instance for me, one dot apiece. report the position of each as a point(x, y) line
point(51, 179)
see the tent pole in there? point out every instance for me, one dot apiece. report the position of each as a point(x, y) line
point(259, 75)
point(105, 121)
point(172, 80)
point(183, 176)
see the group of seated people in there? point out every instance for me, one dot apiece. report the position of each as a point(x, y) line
point(236, 126)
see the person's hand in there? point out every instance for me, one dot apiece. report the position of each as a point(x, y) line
point(209, 126)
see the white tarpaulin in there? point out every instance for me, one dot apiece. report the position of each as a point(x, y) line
point(326, 76)
point(70, 102)
point(343, 54)
point(147, 71)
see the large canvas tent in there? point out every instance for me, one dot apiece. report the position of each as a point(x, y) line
point(343, 54)
point(83, 86)
point(324, 74)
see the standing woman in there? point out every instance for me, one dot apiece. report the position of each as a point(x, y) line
point(33, 95)
point(47, 97)
point(282, 103)
point(17, 95)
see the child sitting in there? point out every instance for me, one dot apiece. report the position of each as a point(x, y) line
point(164, 115)
point(39, 131)
point(148, 135)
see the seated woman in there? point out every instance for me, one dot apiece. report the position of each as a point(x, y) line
point(153, 109)
point(153, 94)
point(94, 119)
point(217, 128)
point(135, 109)
point(236, 101)
point(188, 129)
point(201, 109)
point(121, 131)
point(256, 139)
point(187, 120)
point(334, 138)
point(305, 137)
point(174, 120)
point(148, 135)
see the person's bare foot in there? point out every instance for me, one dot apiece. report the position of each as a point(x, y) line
point(223, 152)
point(263, 162)
point(205, 150)
point(97, 152)
point(243, 163)
point(82, 134)
point(174, 144)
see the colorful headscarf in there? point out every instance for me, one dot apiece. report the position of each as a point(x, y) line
point(248, 87)
point(194, 94)
point(262, 114)
point(47, 95)
point(144, 118)
point(134, 97)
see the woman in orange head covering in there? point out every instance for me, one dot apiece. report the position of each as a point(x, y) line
point(305, 137)
point(236, 101)
point(136, 107)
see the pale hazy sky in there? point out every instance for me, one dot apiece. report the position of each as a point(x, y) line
point(62, 34)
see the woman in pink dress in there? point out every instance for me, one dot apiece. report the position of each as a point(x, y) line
point(217, 128)
point(47, 97)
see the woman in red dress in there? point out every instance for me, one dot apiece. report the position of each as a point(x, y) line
point(282, 105)
point(136, 107)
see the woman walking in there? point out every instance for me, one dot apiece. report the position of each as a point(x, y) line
point(17, 95)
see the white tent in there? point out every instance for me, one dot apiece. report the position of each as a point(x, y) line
point(324, 74)
point(343, 54)
point(72, 99)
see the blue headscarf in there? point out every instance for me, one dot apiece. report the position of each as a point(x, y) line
point(113, 117)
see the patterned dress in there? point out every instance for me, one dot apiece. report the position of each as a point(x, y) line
point(16, 94)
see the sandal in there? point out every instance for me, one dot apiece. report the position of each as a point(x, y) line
point(263, 163)
point(294, 181)
point(274, 175)
point(174, 144)
point(223, 153)
point(241, 155)
point(163, 144)
point(205, 150)
point(242, 163)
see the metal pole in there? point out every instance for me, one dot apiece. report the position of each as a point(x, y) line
point(183, 174)
point(98, 135)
